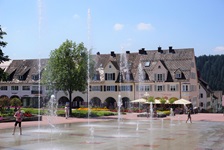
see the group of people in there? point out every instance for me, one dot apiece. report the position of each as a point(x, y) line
point(19, 117)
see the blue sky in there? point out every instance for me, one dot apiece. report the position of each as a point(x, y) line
point(35, 27)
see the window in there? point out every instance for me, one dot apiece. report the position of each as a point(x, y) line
point(178, 75)
point(14, 88)
point(185, 88)
point(159, 77)
point(111, 88)
point(26, 88)
point(96, 77)
point(159, 88)
point(96, 88)
point(201, 104)
point(110, 66)
point(201, 95)
point(172, 87)
point(126, 88)
point(35, 77)
point(147, 64)
point(147, 88)
point(110, 76)
point(4, 88)
point(20, 77)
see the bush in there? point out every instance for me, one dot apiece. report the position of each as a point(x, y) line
point(84, 113)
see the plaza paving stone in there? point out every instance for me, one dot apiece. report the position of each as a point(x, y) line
point(206, 132)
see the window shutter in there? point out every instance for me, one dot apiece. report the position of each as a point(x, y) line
point(163, 76)
point(101, 88)
point(104, 87)
point(131, 87)
point(115, 87)
point(155, 75)
point(113, 76)
point(105, 78)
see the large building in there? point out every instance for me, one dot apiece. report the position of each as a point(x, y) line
point(158, 73)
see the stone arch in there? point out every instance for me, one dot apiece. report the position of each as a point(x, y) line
point(4, 96)
point(110, 103)
point(95, 102)
point(125, 102)
point(77, 101)
point(62, 101)
point(14, 96)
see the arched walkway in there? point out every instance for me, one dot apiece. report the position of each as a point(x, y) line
point(95, 102)
point(62, 101)
point(125, 102)
point(77, 102)
point(110, 103)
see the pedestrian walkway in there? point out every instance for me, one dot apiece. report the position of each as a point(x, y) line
point(130, 116)
point(111, 133)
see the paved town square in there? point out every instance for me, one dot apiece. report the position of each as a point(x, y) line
point(127, 132)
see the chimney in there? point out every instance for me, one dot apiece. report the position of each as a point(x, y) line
point(171, 50)
point(142, 51)
point(160, 49)
point(98, 53)
point(127, 52)
point(112, 54)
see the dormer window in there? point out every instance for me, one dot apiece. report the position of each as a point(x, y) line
point(35, 77)
point(20, 77)
point(147, 64)
point(178, 75)
point(109, 76)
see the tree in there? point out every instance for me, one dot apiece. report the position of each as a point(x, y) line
point(4, 103)
point(16, 102)
point(151, 99)
point(3, 58)
point(67, 69)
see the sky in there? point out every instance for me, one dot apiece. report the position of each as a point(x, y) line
point(36, 27)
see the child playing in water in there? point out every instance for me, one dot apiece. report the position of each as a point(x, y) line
point(19, 117)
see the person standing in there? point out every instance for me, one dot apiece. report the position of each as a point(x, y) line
point(188, 115)
point(19, 117)
point(66, 111)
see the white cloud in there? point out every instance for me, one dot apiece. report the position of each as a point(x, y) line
point(118, 26)
point(219, 49)
point(76, 16)
point(144, 26)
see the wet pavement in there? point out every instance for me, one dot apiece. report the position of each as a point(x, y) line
point(131, 132)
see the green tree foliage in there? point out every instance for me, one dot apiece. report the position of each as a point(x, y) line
point(3, 58)
point(211, 70)
point(15, 102)
point(67, 69)
point(4, 103)
point(151, 99)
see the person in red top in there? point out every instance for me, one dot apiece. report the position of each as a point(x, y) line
point(19, 117)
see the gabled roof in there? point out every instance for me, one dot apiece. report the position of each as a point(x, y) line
point(26, 67)
point(182, 59)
